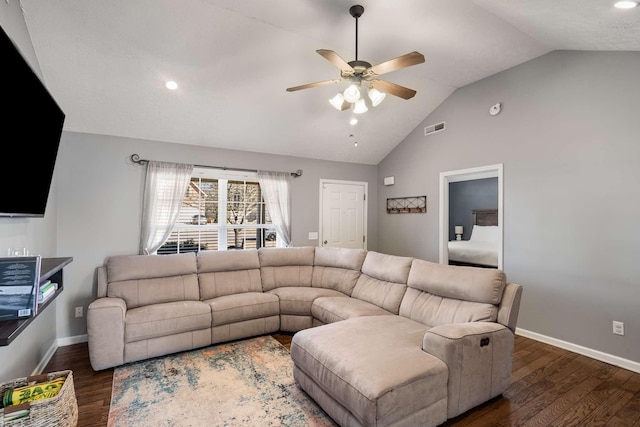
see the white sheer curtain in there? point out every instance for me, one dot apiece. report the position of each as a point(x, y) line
point(275, 190)
point(165, 187)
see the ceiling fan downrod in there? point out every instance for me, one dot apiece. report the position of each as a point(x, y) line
point(356, 11)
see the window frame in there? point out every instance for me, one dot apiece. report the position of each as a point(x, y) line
point(224, 228)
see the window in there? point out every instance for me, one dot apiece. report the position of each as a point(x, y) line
point(221, 211)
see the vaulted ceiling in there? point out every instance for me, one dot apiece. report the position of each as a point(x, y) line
point(106, 62)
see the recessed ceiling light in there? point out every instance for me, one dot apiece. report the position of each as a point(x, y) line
point(353, 121)
point(626, 4)
point(171, 85)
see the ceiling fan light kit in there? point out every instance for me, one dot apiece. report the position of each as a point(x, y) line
point(339, 103)
point(360, 107)
point(361, 74)
point(376, 96)
point(352, 93)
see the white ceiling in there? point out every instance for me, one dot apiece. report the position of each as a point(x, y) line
point(106, 63)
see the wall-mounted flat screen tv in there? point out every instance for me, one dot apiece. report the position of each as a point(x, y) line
point(30, 130)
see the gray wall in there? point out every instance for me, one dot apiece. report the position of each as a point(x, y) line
point(36, 234)
point(569, 139)
point(100, 200)
point(464, 197)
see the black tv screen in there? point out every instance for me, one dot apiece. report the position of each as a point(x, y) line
point(30, 131)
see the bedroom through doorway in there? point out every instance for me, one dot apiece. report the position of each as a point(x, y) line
point(471, 217)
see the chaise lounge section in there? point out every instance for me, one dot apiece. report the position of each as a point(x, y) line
point(449, 349)
point(378, 339)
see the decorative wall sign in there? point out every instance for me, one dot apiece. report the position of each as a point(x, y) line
point(416, 204)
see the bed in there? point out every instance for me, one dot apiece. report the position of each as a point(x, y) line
point(481, 250)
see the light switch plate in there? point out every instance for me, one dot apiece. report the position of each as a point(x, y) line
point(313, 235)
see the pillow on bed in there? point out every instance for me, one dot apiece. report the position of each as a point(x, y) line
point(485, 233)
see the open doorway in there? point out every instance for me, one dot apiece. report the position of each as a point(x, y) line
point(480, 215)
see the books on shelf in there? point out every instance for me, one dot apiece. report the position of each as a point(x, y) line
point(46, 291)
point(19, 279)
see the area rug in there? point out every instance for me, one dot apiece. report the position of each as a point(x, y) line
point(243, 383)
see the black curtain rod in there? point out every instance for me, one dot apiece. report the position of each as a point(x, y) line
point(135, 158)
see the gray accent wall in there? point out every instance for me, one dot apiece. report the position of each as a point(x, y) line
point(100, 202)
point(38, 235)
point(465, 197)
point(569, 139)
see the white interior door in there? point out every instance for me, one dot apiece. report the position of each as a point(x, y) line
point(343, 214)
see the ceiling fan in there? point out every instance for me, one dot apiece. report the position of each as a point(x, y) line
point(362, 73)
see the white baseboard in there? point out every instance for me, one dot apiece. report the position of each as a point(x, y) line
point(585, 351)
point(62, 342)
point(45, 359)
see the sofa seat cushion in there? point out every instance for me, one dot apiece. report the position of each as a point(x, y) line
point(373, 366)
point(159, 320)
point(240, 307)
point(297, 300)
point(332, 309)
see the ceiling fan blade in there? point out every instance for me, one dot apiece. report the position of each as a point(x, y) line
point(336, 60)
point(393, 89)
point(310, 85)
point(398, 63)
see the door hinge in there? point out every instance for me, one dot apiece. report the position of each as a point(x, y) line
point(362, 239)
point(365, 197)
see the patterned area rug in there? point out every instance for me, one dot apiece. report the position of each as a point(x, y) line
point(244, 383)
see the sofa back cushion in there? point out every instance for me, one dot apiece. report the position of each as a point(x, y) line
point(337, 268)
point(285, 267)
point(383, 280)
point(440, 294)
point(151, 279)
point(228, 272)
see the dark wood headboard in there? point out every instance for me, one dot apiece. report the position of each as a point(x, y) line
point(485, 216)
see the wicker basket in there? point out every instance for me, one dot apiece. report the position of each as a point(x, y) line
point(59, 411)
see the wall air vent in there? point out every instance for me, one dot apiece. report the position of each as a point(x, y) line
point(428, 130)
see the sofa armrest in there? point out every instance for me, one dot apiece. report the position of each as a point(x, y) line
point(105, 331)
point(510, 305)
point(102, 281)
point(479, 356)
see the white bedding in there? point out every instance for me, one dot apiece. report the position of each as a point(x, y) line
point(483, 253)
point(481, 248)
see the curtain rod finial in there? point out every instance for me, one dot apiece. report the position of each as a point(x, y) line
point(298, 173)
point(135, 158)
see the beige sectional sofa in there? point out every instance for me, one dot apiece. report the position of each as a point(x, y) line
point(379, 339)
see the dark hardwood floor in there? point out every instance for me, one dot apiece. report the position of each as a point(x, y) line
point(550, 387)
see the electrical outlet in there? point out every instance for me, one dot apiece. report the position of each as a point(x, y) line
point(78, 311)
point(618, 328)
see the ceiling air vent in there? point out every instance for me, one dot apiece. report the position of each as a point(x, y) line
point(428, 130)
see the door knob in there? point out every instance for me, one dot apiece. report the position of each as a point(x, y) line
point(325, 242)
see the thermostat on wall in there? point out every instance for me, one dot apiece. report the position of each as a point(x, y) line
point(389, 180)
